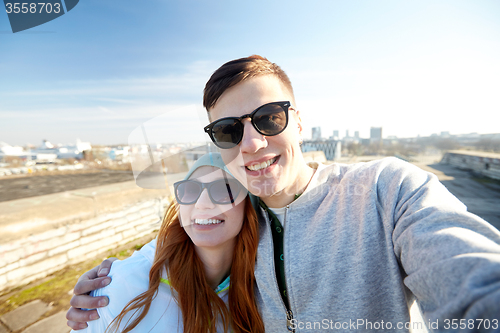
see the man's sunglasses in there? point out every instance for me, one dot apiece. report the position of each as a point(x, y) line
point(269, 119)
point(221, 191)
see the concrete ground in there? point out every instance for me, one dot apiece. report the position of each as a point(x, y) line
point(480, 195)
point(24, 320)
point(33, 186)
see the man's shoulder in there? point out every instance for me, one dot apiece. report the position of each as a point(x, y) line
point(381, 163)
point(372, 169)
point(388, 175)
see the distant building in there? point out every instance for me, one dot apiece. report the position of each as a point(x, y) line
point(347, 134)
point(375, 134)
point(331, 148)
point(356, 135)
point(8, 150)
point(365, 142)
point(335, 134)
point(50, 152)
point(316, 133)
point(445, 134)
point(317, 156)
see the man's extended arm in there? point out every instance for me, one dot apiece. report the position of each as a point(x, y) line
point(451, 257)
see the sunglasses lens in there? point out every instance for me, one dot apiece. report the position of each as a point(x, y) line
point(270, 119)
point(225, 191)
point(227, 133)
point(188, 192)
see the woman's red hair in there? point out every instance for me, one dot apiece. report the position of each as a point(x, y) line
point(200, 306)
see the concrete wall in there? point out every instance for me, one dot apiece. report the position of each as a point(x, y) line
point(487, 164)
point(27, 259)
point(40, 235)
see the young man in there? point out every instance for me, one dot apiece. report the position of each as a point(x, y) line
point(343, 247)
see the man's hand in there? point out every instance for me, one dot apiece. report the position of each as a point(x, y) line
point(94, 279)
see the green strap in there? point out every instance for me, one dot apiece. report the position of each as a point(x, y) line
point(223, 286)
point(279, 263)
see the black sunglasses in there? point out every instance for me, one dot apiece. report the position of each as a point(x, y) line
point(221, 191)
point(269, 119)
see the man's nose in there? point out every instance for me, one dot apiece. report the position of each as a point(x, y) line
point(252, 140)
point(204, 201)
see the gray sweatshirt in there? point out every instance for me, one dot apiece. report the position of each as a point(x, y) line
point(364, 240)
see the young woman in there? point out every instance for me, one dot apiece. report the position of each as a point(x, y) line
point(197, 276)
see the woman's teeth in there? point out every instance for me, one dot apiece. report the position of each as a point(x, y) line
point(263, 165)
point(207, 221)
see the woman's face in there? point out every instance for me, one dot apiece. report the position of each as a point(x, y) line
point(209, 224)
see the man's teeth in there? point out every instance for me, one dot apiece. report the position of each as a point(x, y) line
point(263, 165)
point(207, 221)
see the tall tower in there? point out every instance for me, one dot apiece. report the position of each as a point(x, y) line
point(375, 134)
point(316, 133)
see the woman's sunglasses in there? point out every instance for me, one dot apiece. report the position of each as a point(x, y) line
point(269, 119)
point(221, 191)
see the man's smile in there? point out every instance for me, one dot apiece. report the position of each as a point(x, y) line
point(262, 165)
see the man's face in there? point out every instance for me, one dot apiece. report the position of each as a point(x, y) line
point(267, 165)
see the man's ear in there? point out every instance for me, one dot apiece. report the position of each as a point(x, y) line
point(299, 120)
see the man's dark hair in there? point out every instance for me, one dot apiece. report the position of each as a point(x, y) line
point(236, 71)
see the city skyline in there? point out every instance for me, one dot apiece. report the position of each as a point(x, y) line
point(105, 68)
point(199, 141)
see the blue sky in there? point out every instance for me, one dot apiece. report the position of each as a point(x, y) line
point(102, 69)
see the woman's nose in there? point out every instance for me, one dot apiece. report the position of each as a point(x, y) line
point(204, 201)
